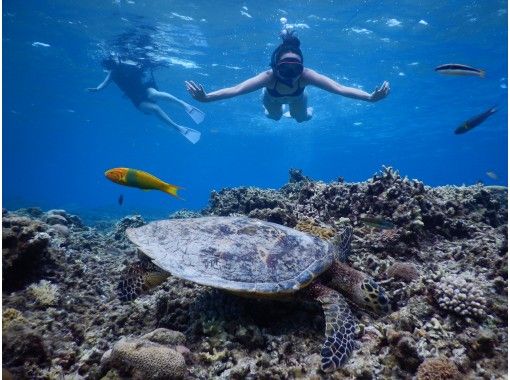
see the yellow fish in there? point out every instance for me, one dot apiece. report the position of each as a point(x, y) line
point(141, 180)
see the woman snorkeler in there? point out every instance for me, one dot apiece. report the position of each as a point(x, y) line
point(132, 79)
point(285, 83)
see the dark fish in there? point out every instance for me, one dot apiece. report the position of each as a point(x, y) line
point(458, 69)
point(474, 121)
point(381, 223)
point(121, 199)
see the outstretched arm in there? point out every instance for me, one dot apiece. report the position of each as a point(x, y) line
point(103, 84)
point(197, 91)
point(328, 84)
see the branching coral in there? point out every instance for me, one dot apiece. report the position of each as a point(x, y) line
point(438, 369)
point(462, 296)
point(44, 292)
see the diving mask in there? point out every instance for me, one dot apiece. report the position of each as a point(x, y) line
point(289, 68)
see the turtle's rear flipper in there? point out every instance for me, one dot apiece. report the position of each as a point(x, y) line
point(139, 278)
point(340, 325)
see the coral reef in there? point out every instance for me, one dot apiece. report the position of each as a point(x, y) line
point(25, 251)
point(182, 214)
point(443, 264)
point(123, 224)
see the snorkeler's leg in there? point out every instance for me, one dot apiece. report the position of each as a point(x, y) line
point(148, 107)
point(154, 95)
point(272, 109)
point(197, 115)
point(191, 134)
point(299, 109)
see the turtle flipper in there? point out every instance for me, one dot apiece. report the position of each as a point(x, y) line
point(138, 278)
point(340, 325)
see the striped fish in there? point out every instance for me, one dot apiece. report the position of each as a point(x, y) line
point(474, 121)
point(458, 69)
point(380, 223)
point(141, 180)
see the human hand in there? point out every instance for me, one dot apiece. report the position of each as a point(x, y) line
point(196, 91)
point(380, 92)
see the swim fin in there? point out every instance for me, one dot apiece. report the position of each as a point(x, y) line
point(193, 112)
point(192, 135)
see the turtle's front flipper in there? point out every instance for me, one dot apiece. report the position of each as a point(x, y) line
point(138, 278)
point(340, 325)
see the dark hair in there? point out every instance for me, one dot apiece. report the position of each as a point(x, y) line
point(290, 44)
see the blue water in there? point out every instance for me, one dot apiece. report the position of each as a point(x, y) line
point(59, 139)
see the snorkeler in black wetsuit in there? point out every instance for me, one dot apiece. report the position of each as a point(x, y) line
point(142, 91)
point(285, 83)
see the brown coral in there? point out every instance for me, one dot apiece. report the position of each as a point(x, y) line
point(403, 271)
point(309, 226)
point(12, 316)
point(439, 368)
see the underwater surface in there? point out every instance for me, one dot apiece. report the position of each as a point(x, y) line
point(59, 139)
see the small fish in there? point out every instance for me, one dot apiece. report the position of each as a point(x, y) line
point(492, 175)
point(458, 69)
point(381, 223)
point(474, 121)
point(121, 200)
point(141, 180)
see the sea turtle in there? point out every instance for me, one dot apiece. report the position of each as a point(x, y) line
point(251, 257)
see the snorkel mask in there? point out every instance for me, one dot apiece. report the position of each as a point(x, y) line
point(289, 68)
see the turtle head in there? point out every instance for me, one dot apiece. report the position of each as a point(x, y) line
point(372, 296)
point(138, 278)
point(359, 288)
point(342, 244)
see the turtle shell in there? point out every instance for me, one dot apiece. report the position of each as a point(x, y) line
point(234, 253)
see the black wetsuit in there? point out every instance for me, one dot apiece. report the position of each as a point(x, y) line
point(133, 82)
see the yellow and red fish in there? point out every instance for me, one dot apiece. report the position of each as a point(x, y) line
point(141, 180)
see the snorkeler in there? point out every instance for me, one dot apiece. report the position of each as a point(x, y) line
point(285, 83)
point(130, 77)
